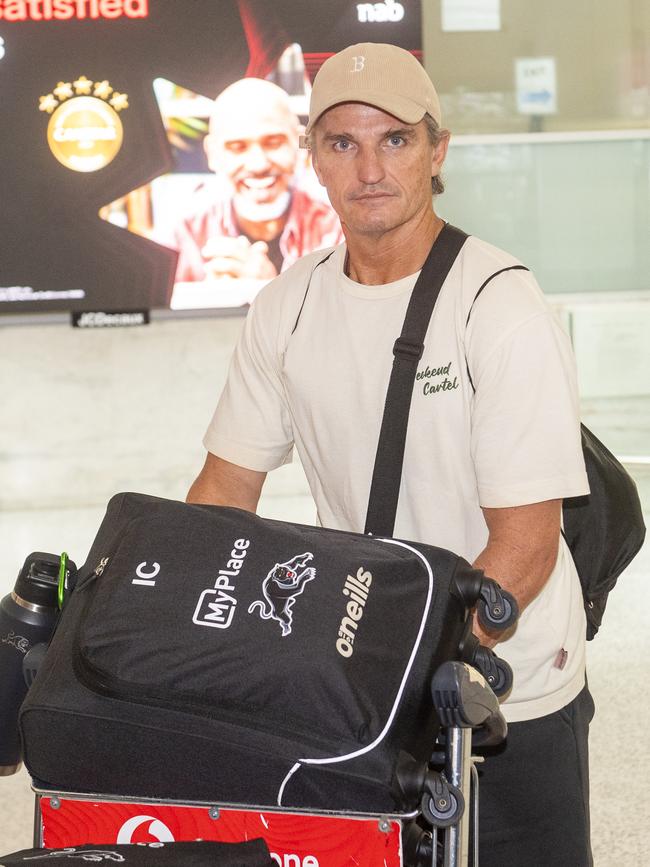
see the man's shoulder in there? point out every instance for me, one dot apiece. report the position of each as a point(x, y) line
point(498, 291)
point(289, 287)
point(488, 270)
point(485, 257)
point(277, 305)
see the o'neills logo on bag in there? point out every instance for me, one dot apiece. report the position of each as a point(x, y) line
point(216, 607)
point(356, 588)
point(85, 132)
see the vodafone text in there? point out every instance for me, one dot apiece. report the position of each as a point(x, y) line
point(216, 607)
point(62, 10)
point(356, 588)
point(290, 860)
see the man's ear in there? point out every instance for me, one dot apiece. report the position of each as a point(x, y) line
point(439, 154)
point(310, 144)
point(316, 165)
point(314, 162)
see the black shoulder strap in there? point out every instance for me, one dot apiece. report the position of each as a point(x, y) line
point(408, 349)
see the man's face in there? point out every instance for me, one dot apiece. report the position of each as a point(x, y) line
point(377, 170)
point(257, 152)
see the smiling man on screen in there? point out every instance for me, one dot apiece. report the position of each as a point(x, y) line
point(251, 220)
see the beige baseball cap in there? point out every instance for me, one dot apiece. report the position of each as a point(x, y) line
point(377, 74)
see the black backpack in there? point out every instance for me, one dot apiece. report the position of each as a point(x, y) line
point(604, 529)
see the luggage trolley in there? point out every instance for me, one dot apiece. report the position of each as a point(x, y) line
point(440, 831)
point(439, 828)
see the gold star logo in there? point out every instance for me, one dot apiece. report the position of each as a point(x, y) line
point(119, 101)
point(63, 90)
point(83, 86)
point(103, 89)
point(47, 103)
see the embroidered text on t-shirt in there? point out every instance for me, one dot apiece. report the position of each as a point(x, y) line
point(434, 373)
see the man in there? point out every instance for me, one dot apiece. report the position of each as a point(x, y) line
point(252, 222)
point(489, 456)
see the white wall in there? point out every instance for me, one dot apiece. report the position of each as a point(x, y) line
point(88, 413)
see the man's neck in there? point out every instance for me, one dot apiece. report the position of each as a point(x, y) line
point(375, 260)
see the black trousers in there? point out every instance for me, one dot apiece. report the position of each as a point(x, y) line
point(534, 792)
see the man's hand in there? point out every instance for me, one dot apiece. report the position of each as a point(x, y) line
point(520, 554)
point(237, 257)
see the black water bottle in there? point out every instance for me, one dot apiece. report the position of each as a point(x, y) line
point(27, 619)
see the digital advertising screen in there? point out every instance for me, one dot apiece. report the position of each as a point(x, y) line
point(149, 149)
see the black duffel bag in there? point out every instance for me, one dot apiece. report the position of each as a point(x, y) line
point(253, 853)
point(209, 654)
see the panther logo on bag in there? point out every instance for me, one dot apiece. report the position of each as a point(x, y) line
point(284, 582)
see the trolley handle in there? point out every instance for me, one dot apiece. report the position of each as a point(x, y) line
point(491, 732)
point(463, 699)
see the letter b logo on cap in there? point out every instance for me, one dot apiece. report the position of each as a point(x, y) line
point(358, 62)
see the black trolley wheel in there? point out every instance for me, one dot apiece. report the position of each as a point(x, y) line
point(443, 816)
point(489, 620)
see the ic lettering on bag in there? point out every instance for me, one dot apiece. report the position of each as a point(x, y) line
point(216, 606)
point(356, 588)
point(146, 577)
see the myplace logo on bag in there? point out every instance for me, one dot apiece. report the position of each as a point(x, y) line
point(216, 605)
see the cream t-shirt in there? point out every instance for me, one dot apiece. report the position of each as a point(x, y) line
point(311, 370)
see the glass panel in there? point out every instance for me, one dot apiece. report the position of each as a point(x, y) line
point(576, 212)
point(584, 64)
